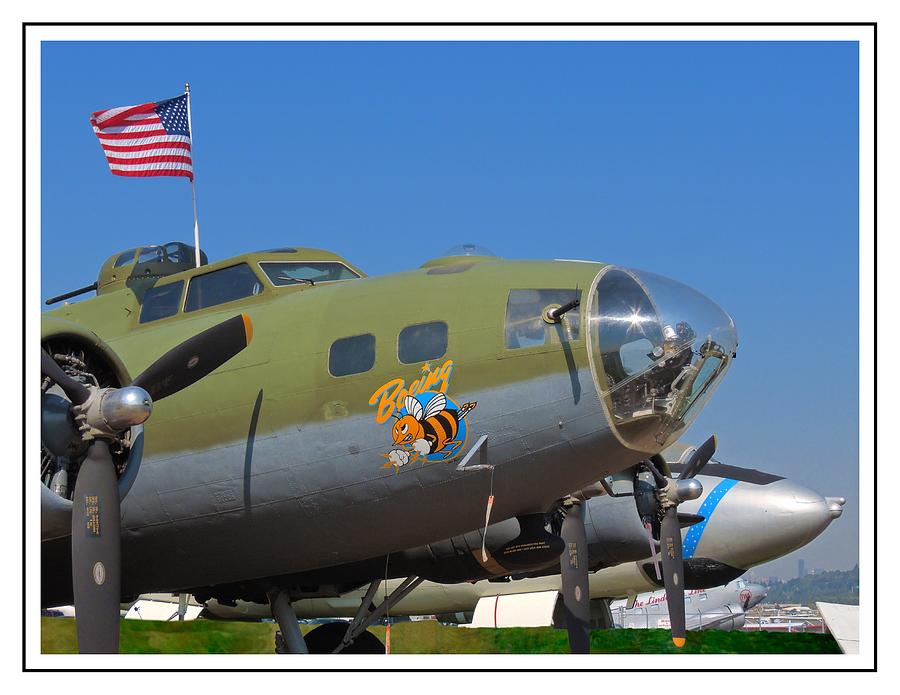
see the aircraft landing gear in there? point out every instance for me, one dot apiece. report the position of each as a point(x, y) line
point(355, 635)
point(324, 639)
point(601, 615)
point(291, 639)
point(333, 638)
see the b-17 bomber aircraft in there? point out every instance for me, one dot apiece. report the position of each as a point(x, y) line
point(257, 425)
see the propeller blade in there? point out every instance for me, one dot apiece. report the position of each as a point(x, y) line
point(673, 572)
point(573, 566)
point(700, 458)
point(96, 561)
point(685, 519)
point(661, 464)
point(76, 391)
point(195, 357)
point(653, 466)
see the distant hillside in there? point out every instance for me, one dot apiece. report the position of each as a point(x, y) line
point(831, 587)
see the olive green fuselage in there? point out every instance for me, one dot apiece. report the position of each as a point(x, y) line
point(271, 465)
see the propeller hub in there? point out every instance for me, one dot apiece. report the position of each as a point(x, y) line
point(677, 491)
point(125, 407)
point(690, 489)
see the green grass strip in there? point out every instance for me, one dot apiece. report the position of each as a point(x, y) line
point(429, 637)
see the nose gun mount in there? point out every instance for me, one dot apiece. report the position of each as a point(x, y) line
point(658, 350)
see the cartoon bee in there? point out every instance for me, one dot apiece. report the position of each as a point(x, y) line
point(427, 430)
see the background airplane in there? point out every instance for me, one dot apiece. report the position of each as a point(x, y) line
point(717, 608)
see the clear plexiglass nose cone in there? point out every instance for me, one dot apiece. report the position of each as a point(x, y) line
point(658, 349)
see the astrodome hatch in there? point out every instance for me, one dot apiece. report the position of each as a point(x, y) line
point(462, 253)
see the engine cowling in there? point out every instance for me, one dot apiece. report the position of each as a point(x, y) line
point(91, 357)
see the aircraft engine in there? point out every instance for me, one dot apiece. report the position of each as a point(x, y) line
point(92, 441)
point(87, 360)
point(614, 532)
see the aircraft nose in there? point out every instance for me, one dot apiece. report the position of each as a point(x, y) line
point(836, 506)
point(657, 349)
point(748, 524)
point(757, 593)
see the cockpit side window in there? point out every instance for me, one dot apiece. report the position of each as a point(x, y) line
point(221, 286)
point(422, 342)
point(525, 324)
point(161, 301)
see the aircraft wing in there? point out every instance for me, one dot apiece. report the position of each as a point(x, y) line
point(843, 623)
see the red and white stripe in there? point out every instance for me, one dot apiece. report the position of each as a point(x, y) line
point(136, 143)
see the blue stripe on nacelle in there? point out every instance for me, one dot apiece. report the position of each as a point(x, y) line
point(692, 538)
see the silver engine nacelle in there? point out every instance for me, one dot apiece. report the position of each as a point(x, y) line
point(614, 531)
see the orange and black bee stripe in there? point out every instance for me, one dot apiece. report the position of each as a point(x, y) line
point(441, 429)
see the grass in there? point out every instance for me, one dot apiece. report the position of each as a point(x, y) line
point(429, 637)
point(157, 637)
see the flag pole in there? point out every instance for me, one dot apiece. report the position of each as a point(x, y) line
point(187, 91)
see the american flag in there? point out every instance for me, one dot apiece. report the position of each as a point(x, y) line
point(146, 140)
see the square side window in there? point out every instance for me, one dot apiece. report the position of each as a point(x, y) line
point(422, 342)
point(352, 355)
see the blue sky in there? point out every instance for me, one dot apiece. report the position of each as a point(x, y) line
point(732, 167)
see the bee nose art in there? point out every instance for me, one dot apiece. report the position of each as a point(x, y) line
point(658, 349)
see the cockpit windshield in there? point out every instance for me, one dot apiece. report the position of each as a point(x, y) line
point(311, 272)
point(658, 350)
